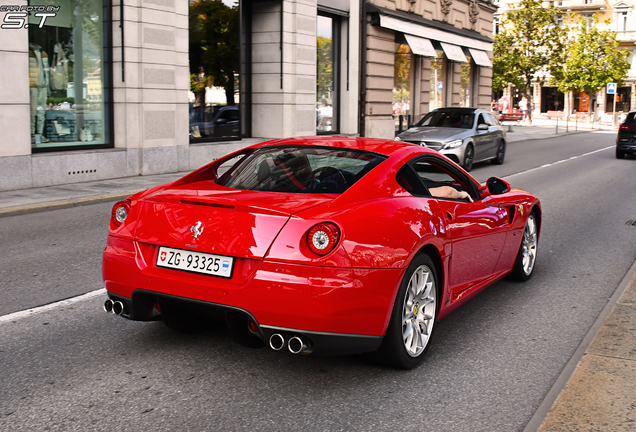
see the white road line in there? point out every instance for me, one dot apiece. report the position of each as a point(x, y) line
point(557, 162)
point(36, 310)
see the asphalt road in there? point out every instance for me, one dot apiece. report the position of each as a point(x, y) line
point(75, 367)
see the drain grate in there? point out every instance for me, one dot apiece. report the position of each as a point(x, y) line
point(631, 222)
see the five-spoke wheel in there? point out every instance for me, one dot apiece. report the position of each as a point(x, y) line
point(418, 312)
point(414, 314)
point(527, 255)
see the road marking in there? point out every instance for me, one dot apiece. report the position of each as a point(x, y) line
point(558, 162)
point(36, 310)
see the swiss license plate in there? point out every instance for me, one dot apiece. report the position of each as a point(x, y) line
point(197, 262)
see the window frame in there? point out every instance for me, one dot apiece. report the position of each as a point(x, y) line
point(336, 44)
point(422, 190)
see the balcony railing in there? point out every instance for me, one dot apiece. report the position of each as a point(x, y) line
point(581, 4)
point(626, 36)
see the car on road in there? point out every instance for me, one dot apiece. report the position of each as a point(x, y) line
point(329, 245)
point(465, 135)
point(626, 138)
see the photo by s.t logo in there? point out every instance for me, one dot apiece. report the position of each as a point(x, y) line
point(16, 16)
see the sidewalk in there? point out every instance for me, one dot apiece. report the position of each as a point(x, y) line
point(600, 394)
point(544, 128)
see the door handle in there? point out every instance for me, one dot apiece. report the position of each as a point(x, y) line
point(449, 216)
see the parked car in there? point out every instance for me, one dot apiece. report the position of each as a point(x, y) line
point(626, 138)
point(214, 122)
point(465, 135)
point(329, 245)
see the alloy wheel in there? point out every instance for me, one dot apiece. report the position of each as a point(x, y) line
point(529, 245)
point(418, 312)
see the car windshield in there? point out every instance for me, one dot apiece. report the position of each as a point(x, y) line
point(301, 169)
point(452, 119)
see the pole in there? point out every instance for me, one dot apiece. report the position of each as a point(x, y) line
point(614, 111)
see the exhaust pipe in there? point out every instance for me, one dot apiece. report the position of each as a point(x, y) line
point(108, 305)
point(297, 345)
point(118, 308)
point(276, 341)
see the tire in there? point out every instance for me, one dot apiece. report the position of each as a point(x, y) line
point(414, 314)
point(501, 153)
point(469, 157)
point(527, 255)
point(620, 154)
point(180, 319)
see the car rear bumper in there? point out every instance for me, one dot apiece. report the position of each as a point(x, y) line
point(328, 303)
point(627, 145)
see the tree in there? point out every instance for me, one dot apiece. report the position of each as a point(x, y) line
point(324, 66)
point(530, 45)
point(594, 61)
point(402, 75)
point(214, 43)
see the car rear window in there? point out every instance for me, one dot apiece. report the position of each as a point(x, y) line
point(301, 169)
point(631, 117)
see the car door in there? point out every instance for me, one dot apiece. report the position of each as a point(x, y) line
point(477, 229)
point(486, 139)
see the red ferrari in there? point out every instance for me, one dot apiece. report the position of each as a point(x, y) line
point(328, 245)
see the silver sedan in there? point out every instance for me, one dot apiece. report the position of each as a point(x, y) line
point(465, 135)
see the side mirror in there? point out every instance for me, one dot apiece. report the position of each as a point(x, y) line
point(221, 121)
point(482, 127)
point(497, 186)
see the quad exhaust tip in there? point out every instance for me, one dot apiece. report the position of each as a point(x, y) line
point(115, 307)
point(276, 341)
point(295, 344)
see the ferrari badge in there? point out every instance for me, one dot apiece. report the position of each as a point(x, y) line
point(197, 229)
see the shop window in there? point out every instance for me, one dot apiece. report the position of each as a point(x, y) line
point(466, 84)
point(623, 100)
point(403, 71)
point(438, 85)
point(215, 60)
point(327, 36)
point(69, 77)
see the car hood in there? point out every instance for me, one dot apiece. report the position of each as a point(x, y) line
point(437, 134)
point(232, 222)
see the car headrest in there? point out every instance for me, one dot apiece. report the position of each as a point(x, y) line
point(264, 171)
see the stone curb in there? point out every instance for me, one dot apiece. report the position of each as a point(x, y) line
point(560, 385)
point(62, 204)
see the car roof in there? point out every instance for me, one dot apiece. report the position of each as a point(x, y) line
point(375, 145)
point(467, 109)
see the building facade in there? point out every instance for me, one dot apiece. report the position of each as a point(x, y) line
point(98, 89)
point(422, 54)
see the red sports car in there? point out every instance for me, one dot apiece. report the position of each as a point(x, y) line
point(325, 244)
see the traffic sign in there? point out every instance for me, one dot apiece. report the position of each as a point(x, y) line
point(440, 86)
point(611, 88)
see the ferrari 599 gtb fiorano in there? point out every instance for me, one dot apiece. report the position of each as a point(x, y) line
point(328, 245)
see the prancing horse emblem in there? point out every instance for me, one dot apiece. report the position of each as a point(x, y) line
point(197, 229)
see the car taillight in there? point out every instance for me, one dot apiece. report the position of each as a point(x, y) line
point(120, 212)
point(625, 127)
point(323, 238)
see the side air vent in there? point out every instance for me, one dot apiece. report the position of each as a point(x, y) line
point(511, 214)
point(207, 204)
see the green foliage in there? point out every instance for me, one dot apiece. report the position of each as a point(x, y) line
point(214, 43)
point(529, 45)
point(594, 60)
point(402, 66)
point(324, 66)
